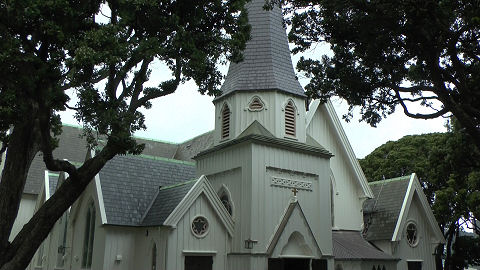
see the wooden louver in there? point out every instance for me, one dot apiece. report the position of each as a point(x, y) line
point(256, 104)
point(225, 122)
point(290, 119)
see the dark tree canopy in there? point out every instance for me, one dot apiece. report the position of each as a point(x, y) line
point(423, 56)
point(449, 170)
point(102, 51)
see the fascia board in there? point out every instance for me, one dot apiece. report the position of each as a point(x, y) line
point(101, 204)
point(428, 211)
point(201, 186)
point(311, 111)
point(46, 186)
point(407, 200)
point(362, 180)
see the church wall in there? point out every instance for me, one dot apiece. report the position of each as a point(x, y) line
point(182, 242)
point(230, 167)
point(121, 241)
point(424, 250)
point(272, 117)
point(76, 232)
point(269, 201)
point(347, 192)
point(25, 212)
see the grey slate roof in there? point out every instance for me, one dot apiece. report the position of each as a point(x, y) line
point(350, 245)
point(187, 150)
point(71, 147)
point(74, 148)
point(380, 214)
point(52, 182)
point(165, 202)
point(129, 184)
point(267, 64)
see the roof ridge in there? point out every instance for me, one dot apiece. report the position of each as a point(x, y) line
point(178, 184)
point(144, 215)
point(157, 158)
point(400, 178)
point(200, 135)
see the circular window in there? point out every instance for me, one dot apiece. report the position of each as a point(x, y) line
point(200, 226)
point(412, 234)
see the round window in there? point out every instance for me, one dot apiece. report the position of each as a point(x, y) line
point(412, 234)
point(200, 226)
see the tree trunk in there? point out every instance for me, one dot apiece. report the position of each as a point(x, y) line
point(20, 252)
point(438, 256)
point(22, 148)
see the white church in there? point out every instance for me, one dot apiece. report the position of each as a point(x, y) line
point(273, 186)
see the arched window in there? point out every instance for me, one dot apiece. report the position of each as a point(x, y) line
point(226, 202)
point(290, 119)
point(256, 104)
point(88, 237)
point(154, 257)
point(225, 121)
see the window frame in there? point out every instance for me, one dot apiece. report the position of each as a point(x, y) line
point(89, 237)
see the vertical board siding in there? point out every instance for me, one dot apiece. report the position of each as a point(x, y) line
point(347, 200)
point(182, 239)
point(272, 116)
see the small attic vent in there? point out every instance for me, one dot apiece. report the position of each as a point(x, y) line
point(256, 104)
point(290, 119)
point(225, 121)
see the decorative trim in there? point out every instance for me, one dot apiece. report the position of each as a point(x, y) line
point(199, 252)
point(207, 230)
point(290, 183)
point(264, 106)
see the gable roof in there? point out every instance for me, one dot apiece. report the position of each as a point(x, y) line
point(351, 246)
point(386, 214)
point(331, 115)
point(267, 64)
point(294, 204)
point(188, 149)
point(381, 213)
point(166, 200)
point(201, 187)
point(130, 183)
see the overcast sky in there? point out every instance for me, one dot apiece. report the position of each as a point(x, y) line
point(186, 114)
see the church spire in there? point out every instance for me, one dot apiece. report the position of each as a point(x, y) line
point(267, 64)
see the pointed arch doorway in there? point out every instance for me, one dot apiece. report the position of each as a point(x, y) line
point(296, 255)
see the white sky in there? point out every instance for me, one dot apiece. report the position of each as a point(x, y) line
point(186, 114)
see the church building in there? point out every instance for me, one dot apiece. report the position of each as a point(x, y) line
point(273, 186)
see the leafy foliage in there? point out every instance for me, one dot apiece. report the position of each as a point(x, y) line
point(448, 167)
point(421, 55)
point(101, 50)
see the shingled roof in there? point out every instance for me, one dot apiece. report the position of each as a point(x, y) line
point(382, 212)
point(350, 245)
point(73, 147)
point(165, 202)
point(130, 184)
point(267, 64)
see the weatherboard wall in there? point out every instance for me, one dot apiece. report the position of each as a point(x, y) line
point(229, 167)
point(347, 193)
point(182, 242)
point(425, 248)
point(272, 117)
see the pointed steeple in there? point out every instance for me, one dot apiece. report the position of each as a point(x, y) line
point(267, 64)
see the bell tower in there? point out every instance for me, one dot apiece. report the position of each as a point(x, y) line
point(263, 87)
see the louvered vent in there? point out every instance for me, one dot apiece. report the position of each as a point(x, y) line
point(225, 122)
point(290, 119)
point(256, 104)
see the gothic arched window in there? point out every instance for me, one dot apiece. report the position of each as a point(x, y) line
point(154, 257)
point(226, 202)
point(88, 237)
point(225, 114)
point(290, 125)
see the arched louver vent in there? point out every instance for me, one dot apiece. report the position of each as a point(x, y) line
point(225, 121)
point(290, 119)
point(256, 104)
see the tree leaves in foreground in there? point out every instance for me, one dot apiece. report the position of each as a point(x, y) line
point(421, 55)
point(448, 166)
point(102, 51)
